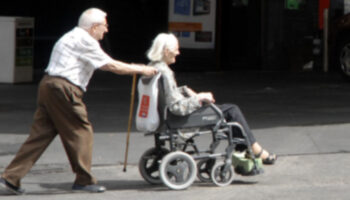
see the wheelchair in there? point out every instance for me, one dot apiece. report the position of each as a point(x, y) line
point(176, 160)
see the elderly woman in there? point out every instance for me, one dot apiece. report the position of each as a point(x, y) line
point(183, 100)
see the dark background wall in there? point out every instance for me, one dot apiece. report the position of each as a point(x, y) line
point(288, 34)
point(260, 35)
point(265, 35)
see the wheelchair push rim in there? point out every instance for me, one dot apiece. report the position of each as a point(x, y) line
point(222, 174)
point(178, 170)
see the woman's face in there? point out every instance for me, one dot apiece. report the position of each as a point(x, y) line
point(170, 55)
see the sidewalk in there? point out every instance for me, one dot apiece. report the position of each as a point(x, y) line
point(109, 148)
point(312, 165)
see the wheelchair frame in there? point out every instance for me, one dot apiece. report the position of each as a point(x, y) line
point(176, 166)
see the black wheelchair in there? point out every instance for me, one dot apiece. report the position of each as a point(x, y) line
point(176, 160)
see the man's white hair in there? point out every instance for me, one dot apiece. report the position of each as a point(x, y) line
point(160, 43)
point(90, 17)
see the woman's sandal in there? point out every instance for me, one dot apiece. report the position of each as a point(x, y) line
point(269, 160)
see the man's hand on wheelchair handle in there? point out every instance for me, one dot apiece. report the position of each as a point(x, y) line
point(147, 70)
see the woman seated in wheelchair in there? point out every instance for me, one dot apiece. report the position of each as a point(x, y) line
point(183, 100)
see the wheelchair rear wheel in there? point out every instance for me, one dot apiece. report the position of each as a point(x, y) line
point(222, 175)
point(178, 170)
point(149, 164)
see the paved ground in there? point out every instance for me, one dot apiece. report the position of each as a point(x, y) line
point(302, 117)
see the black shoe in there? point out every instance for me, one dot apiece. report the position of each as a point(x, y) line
point(89, 188)
point(270, 160)
point(11, 188)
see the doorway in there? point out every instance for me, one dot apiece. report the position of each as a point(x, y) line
point(240, 34)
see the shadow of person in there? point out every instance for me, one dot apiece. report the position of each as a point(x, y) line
point(118, 185)
point(111, 185)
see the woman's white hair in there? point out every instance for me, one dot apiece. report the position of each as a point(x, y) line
point(160, 43)
point(90, 17)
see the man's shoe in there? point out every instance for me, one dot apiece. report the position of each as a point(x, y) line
point(89, 188)
point(11, 188)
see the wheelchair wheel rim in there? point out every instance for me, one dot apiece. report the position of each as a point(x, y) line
point(178, 170)
point(221, 176)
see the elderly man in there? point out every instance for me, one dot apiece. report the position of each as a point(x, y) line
point(60, 108)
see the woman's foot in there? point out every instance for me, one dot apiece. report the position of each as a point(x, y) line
point(270, 159)
point(267, 158)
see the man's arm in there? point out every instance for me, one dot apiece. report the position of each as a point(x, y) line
point(119, 67)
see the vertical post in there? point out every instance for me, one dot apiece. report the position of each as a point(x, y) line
point(218, 35)
point(325, 40)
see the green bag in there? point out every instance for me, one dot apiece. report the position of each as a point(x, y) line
point(245, 166)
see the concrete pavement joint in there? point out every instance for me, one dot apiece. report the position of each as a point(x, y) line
point(313, 154)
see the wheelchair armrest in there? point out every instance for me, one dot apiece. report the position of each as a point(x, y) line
point(165, 113)
point(207, 115)
point(221, 115)
point(217, 110)
point(213, 106)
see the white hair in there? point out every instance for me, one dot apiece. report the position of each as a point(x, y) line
point(160, 43)
point(90, 17)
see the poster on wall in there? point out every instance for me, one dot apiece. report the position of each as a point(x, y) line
point(193, 22)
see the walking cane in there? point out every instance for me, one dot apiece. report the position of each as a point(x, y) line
point(130, 120)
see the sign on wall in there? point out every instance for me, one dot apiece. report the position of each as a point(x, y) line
point(193, 22)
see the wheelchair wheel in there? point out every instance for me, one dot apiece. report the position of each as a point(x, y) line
point(149, 164)
point(178, 170)
point(221, 176)
point(204, 169)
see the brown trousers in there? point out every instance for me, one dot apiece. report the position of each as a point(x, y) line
point(60, 111)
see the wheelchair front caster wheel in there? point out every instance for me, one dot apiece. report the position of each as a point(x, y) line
point(222, 174)
point(149, 164)
point(178, 170)
point(204, 168)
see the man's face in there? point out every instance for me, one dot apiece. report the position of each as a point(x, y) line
point(98, 30)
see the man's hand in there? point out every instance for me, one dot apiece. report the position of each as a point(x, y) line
point(149, 71)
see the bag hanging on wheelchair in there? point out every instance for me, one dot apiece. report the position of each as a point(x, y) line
point(147, 117)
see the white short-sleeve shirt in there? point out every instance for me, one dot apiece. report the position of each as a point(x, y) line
point(75, 57)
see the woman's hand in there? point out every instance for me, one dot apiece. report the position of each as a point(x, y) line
point(206, 97)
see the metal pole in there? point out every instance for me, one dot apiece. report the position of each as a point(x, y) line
point(325, 40)
point(130, 120)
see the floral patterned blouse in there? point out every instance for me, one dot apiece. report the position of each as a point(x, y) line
point(177, 98)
